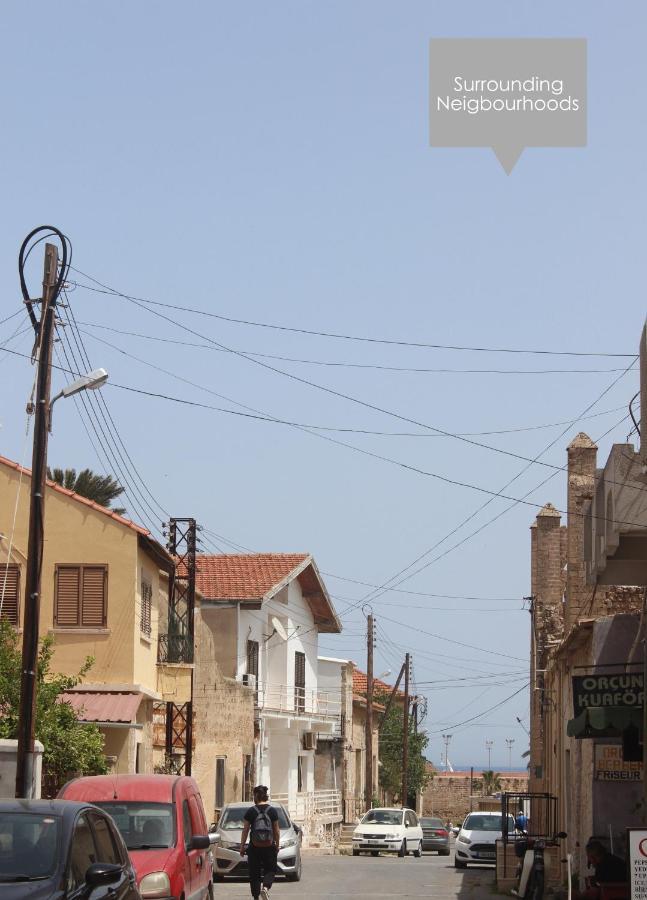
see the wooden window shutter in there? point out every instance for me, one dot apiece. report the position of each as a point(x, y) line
point(10, 593)
point(68, 584)
point(93, 597)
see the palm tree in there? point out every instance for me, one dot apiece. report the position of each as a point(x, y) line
point(491, 782)
point(102, 489)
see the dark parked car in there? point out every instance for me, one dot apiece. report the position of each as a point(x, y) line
point(60, 849)
point(434, 835)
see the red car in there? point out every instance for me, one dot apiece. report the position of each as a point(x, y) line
point(161, 819)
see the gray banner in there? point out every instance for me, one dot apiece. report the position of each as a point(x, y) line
point(507, 94)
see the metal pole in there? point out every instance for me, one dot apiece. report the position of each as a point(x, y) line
point(26, 723)
point(405, 733)
point(368, 768)
point(391, 696)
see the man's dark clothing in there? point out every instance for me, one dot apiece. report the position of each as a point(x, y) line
point(261, 860)
point(611, 869)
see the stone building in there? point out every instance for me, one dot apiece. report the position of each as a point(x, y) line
point(588, 582)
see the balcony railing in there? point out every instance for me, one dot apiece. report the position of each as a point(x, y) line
point(307, 806)
point(297, 701)
point(174, 648)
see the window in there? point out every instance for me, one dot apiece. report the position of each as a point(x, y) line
point(82, 855)
point(10, 593)
point(146, 608)
point(252, 658)
point(299, 774)
point(299, 682)
point(220, 782)
point(186, 824)
point(106, 850)
point(81, 595)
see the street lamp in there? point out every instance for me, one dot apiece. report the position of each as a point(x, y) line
point(90, 382)
point(509, 742)
point(446, 739)
point(42, 416)
point(489, 745)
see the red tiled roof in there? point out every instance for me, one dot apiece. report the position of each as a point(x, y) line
point(61, 490)
point(239, 576)
point(381, 687)
point(103, 706)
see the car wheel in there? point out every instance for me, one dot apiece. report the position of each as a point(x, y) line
point(355, 852)
point(219, 878)
point(418, 853)
point(210, 891)
point(403, 849)
point(296, 875)
point(375, 852)
point(459, 864)
point(443, 852)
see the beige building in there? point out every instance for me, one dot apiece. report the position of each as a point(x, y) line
point(588, 580)
point(451, 795)
point(105, 585)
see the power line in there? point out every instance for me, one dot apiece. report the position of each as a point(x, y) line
point(485, 711)
point(411, 370)
point(329, 334)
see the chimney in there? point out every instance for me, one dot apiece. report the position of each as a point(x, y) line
point(582, 456)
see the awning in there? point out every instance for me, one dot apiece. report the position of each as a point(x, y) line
point(113, 707)
point(605, 721)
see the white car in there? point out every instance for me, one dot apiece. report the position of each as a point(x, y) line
point(390, 830)
point(475, 842)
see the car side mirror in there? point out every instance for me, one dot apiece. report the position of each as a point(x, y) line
point(213, 827)
point(101, 874)
point(561, 835)
point(200, 842)
point(406, 824)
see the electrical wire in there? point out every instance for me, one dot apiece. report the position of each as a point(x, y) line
point(347, 337)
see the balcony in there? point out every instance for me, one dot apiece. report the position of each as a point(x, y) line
point(310, 808)
point(297, 702)
point(174, 648)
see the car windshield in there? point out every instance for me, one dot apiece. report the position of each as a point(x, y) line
point(143, 826)
point(29, 846)
point(426, 822)
point(486, 823)
point(383, 817)
point(233, 818)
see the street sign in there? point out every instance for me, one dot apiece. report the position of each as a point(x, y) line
point(637, 844)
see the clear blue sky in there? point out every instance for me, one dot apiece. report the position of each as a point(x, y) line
point(270, 162)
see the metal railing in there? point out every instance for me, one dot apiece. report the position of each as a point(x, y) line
point(307, 806)
point(174, 648)
point(283, 698)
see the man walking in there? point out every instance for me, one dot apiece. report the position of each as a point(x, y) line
point(262, 826)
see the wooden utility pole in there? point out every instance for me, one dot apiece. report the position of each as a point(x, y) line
point(45, 342)
point(405, 732)
point(368, 768)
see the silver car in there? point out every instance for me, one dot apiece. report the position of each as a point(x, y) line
point(227, 858)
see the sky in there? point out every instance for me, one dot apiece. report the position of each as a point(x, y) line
point(270, 163)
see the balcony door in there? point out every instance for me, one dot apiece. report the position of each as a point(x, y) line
point(299, 682)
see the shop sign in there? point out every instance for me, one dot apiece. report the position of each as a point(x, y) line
point(610, 766)
point(623, 689)
point(637, 843)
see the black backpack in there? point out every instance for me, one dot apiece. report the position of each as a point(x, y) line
point(261, 832)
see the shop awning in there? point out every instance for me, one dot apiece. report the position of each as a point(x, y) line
point(605, 721)
point(111, 707)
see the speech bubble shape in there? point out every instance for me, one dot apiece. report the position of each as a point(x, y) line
point(507, 94)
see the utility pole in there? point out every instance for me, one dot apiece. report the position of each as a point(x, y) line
point(368, 768)
point(509, 742)
point(488, 746)
point(45, 341)
point(405, 732)
point(446, 739)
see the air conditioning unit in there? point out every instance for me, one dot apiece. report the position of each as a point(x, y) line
point(249, 680)
point(309, 740)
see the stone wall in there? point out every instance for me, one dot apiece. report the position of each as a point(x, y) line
point(448, 794)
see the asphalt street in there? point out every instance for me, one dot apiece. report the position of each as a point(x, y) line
point(384, 877)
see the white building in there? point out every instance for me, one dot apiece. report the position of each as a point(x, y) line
point(271, 608)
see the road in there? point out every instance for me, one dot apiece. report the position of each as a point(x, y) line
point(384, 877)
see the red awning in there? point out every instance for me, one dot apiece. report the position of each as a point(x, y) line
point(104, 706)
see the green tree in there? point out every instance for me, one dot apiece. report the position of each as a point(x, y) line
point(103, 489)
point(491, 782)
point(390, 747)
point(70, 747)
